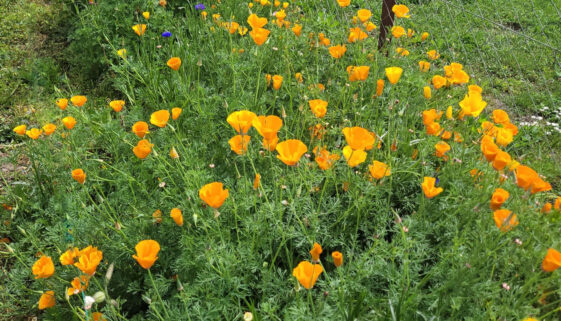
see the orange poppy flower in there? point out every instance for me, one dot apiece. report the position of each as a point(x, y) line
point(214, 194)
point(504, 136)
point(433, 129)
point(79, 176)
point(89, 259)
point(489, 148)
point(139, 29)
point(142, 149)
point(241, 120)
point(359, 138)
point(358, 72)
point(472, 104)
point(401, 11)
point(337, 258)
point(363, 15)
point(344, 3)
point(557, 204)
point(315, 252)
point(69, 122)
point(140, 129)
point(307, 273)
point(427, 92)
point(398, 31)
point(146, 253)
point(552, 260)
point(337, 51)
point(173, 153)
point(47, 300)
point(297, 30)
point(324, 159)
point(78, 285)
point(267, 126)
point(67, 258)
point(177, 216)
point(501, 160)
point(438, 81)
point(174, 63)
point(393, 74)
point(379, 87)
point(175, 112)
point(259, 35)
point(379, 170)
point(546, 208)
point(34, 133)
point(356, 34)
point(257, 181)
point(290, 151)
point(424, 66)
point(525, 176)
point(277, 82)
point(318, 107)
point(256, 22)
point(505, 219)
point(160, 118)
point(43, 267)
point(539, 185)
point(157, 216)
point(239, 143)
point(369, 26)
point(20, 130)
point(498, 198)
point(117, 105)
point(500, 117)
point(78, 101)
point(354, 157)
point(432, 54)
point(62, 103)
point(429, 189)
point(298, 77)
point(270, 143)
point(424, 36)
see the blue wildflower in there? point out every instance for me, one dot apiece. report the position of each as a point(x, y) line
point(166, 34)
point(200, 6)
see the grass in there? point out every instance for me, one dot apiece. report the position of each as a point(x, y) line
point(406, 257)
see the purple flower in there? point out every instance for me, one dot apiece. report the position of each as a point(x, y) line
point(200, 6)
point(166, 34)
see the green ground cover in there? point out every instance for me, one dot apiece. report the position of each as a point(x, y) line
point(406, 256)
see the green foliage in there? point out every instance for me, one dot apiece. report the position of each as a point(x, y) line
point(406, 257)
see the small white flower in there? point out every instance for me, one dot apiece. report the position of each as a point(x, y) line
point(88, 302)
point(248, 316)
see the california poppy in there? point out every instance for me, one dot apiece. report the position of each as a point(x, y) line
point(504, 136)
point(525, 176)
point(337, 51)
point(177, 216)
point(359, 138)
point(424, 36)
point(277, 82)
point(160, 118)
point(393, 74)
point(257, 181)
point(34, 133)
point(173, 153)
point(62, 103)
point(174, 63)
point(259, 35)
point(122, 53)
point(438, 81)
point(337, 258)
point(427, 92)
point(157, 216)
point(146, 15)
point(79, 175)
point(88, 260)
point(175, 112)
point(307, 273)
point(267, 126)
point(241, 120)
point(505, 219)
point(379, 87)
point(142, 149)
point(489, 148)
point(139, 29)
point(324, 158)
point(214, 194)
point(239, 143)
point(146, 253)
point(67, 258)
point(256, 22)
point(430, 116)
point(20, 130)
point(401, 11)
point(498, 198)
point(354, 157)
point(432, 54)
point(343, 3)
point(79, 284)
point(315, 252)
point(472, 104)
point(140, 129)
point(69, 122)
point(78, 101)
point(297, 29)
point(546, 208)
point(379, 170)
point(117, 105)
point(43, 267)
point(47, 300)
point(429, 189)
point(363, 14)
point(501, 160)
point(552, 260)
point(290, 151)
point(398, 31)
point(356, 34)
point(424, 66)
point(358, 72)
point(318, 107)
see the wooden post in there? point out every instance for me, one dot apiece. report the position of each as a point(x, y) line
point(386, 21)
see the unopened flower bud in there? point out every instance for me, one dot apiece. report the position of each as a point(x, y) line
point(109, 272)
point(99, 297)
